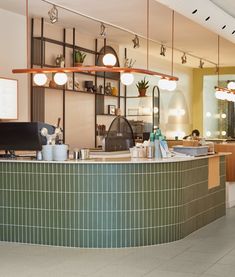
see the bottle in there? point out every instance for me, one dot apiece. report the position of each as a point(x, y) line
point(158, 154)
point(151, 148)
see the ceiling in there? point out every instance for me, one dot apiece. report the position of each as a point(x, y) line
point(192, 33)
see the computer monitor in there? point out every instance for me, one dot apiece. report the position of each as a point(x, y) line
point(23, 135)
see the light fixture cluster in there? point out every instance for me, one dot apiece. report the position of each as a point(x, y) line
point(167, 84)
point(225, 94)
point(61, 78)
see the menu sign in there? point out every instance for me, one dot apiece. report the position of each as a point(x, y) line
point(8, 98)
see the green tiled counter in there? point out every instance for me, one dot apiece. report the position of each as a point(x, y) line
point(106, 204)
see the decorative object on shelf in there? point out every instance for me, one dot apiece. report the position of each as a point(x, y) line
point(129, 63)
point(70, 83)
point(108, 89)
point(52, 84)
point(88, 86)
point(118, 112)
point(59, 61)
point(114, 91)
point(142, 87)
point(100, 89)
point(111, 109)
point(78, 57)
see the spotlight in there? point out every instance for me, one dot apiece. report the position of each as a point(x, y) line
point(136, 42)
point(102, 30)
point(201, 63)
point(184, 59)
point(163, 50)
point(53, 14)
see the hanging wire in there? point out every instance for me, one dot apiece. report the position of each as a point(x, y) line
point(147, 34)
point(172, 41)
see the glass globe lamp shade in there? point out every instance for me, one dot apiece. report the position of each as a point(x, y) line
point(40, 79)
point(171, 86)
point(231, 85)
point(109, 59)
point(127, 78)
point(229, 97)
point(163, 83)
point(60, 78)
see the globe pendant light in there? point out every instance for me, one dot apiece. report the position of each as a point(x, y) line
point(60, 78)
point(109, 59)
point(162, 83)
point(171, 85)
point(40, 79)
point(127, 78)
point(231, 85)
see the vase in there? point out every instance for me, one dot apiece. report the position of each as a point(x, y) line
point(142, 92)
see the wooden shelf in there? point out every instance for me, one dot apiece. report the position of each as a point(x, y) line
point(106, 114)
point(140, 115)
point(69, 45)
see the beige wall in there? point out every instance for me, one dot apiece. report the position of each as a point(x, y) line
point(13, 55)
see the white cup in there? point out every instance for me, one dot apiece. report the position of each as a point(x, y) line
point(60, 152)
point(47, 152)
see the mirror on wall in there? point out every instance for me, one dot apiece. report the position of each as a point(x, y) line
point(218, 115)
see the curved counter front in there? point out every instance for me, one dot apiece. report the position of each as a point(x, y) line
point(108, 204)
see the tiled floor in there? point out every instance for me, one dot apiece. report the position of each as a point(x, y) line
point(208, 252)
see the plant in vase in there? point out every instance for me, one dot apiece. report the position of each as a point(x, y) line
point(142, 87)
point(78, 57)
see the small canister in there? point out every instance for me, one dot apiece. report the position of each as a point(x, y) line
point(84, 154)
point(150, 152)
point(76, 155)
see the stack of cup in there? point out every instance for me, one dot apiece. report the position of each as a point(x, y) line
point(57, 152)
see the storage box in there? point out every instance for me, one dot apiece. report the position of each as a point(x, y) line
point(191, 150)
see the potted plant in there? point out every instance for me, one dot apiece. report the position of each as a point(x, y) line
point(79, 57)
point(142, 87)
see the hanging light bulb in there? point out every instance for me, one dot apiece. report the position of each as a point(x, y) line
point(163, 83)
point(40, 79)
point(53, 14)
point(231, 85)
point(60, 78)
point(127, 78)
point(109, 59)
point(171, 85)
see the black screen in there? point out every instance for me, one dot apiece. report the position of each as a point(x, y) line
point(22, 135)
